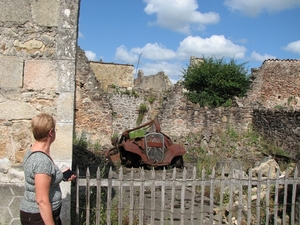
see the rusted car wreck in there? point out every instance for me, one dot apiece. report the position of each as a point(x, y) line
point(153, 149)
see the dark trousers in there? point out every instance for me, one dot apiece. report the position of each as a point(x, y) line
point(36, 218)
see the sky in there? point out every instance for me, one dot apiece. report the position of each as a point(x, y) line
point(162, 35)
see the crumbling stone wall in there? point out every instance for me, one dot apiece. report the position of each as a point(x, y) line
point(38, 42)
point(158, 82)
point(121, 75)
point(276, 84)
point(281, 127)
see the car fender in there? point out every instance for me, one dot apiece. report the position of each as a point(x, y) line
point(173, 151)
point(131, 147)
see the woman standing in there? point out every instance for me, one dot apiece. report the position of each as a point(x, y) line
point(42, 199)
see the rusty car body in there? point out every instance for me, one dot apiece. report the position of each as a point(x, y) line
point(153, 149)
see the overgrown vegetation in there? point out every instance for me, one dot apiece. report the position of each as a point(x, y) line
point(246, 147)
point(142, 110)
point(213, 82)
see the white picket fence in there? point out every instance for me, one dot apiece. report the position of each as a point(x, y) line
point(171, 197)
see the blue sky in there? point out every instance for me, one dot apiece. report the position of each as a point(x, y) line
point(161, 35)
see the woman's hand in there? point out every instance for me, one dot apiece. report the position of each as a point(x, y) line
point(69, 175)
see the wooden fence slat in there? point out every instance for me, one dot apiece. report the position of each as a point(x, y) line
point(131, 200)
point(120, 202)
point(293, 201)
point(152, 197)
point(258, 189)
point(240, 202)
point(142, 198)
point(98, 197)
point(173, 197)
point(109, 198)
point(230, 199)
point(211, 196)
point(249, 197)
point(182, 197)
point(285, 198)
point(221, 196)
point(162, 209)
point(276, 198)
point(268, 198)
point(88, 191)
point(77, 197)
point(202, 195)
point(193, 195)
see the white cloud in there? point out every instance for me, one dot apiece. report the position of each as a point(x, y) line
point(125, 56)
point(155, 52)
point(173, 70)
point(91, 55)
point(293, 47)
point(255, 7)
point(179, 15)
point(149, 51)
point(216, 45)
point(258, 57)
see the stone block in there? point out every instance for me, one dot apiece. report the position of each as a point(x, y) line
point(61, 149)
point(10, 110)
point(11, 75)
point(65, 107)
point(7, 195)
point(46, 12)
point(15, 206)
point(15, 11)
point(40, 75)
point(69, 14)
point(66, 44)
point(66, 75)
point(5, 216)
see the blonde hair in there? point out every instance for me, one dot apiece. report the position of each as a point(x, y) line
point(41, 124)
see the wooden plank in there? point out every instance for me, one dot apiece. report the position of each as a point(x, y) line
point(211, 196)
point(268, 198)
point(258, 191)
point(163, 197)
point(249, 197)
point(193, 196)
point(87, 193)
point(178, 182)
point(182, 197)
point(230, 199)
point(120, 195)
point(142, 198)
point(276, 198)
point(221, 196)
point(240, 202)
point(152, 218)
point(294, 196)
point(109, 198)
point(285, 199)
point(77, 197)
point(202, 195)
point(173, 197)
point(131, 200)
point(98, 197)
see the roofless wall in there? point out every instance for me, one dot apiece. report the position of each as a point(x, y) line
point(38, 42)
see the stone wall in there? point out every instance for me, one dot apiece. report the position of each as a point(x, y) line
point(281, 127)
point(275, 84)
point(158, 82)
point(38, 42)
point(121, 75)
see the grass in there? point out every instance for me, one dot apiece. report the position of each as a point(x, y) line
point(228, 145)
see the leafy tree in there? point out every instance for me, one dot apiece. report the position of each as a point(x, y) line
point(213, 82)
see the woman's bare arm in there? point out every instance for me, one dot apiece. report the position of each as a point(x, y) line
point(42, 190)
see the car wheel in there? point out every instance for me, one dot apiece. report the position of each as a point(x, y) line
point(177, 162)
